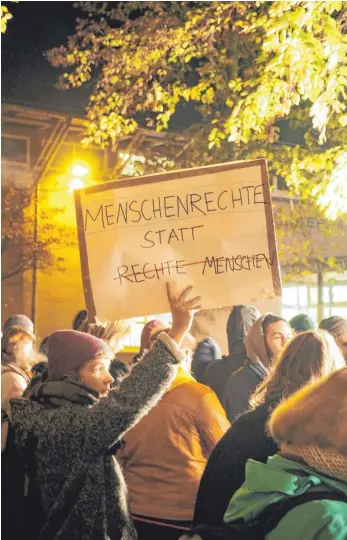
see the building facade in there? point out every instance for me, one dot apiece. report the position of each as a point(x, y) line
point(41, 150)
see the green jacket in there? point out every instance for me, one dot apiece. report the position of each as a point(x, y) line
point(281, 478)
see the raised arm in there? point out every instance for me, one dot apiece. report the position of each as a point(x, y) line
point(138, 393)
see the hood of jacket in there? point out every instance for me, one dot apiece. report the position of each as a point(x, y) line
point(268, 483)
point(205, 353)
point(239, 323)
point(255, 343)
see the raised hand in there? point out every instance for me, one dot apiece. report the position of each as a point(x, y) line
point(183, 306)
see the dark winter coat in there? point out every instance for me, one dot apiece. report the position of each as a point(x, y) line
point(82, 488)
point(242, 383)
point(225, 470)
point(240, 386)
point(239, 323)
point(206, 352)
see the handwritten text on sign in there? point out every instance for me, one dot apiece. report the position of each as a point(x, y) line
point(210, 227)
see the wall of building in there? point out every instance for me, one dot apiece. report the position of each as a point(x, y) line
point(59, 292)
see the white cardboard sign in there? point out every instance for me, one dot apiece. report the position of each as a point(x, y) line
point(211, 227)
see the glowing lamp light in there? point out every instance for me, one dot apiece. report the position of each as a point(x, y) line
point(76, 183)
point(78, 170)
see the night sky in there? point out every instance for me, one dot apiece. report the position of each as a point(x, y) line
point(27, 76)
point(29, 79)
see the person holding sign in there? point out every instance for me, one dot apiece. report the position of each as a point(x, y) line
point(72, 423)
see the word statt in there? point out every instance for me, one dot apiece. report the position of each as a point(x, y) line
point(211, 227)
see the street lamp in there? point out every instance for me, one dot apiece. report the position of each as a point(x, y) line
point(79, 171)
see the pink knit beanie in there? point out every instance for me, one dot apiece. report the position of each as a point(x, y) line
point(148, 330)
point(69, 350)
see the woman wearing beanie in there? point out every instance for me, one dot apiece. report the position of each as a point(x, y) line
point(310, 429)
point(306, 358)
point(73, 422)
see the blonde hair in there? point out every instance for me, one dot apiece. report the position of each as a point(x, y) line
point(315, 415)
point(107, 331)
point(306, 358)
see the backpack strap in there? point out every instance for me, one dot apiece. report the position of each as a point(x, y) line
point(273, 514)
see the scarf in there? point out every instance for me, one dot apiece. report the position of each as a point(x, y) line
point(66, 392)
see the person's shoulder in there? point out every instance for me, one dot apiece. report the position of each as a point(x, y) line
point(316, 519)
point(193, 395)
point(196, 389)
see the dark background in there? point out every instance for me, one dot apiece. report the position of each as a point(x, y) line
point(27, 76)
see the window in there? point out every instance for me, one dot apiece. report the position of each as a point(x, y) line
point(304, 299)
point(15, 149)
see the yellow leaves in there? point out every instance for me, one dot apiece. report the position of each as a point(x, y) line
point(5, 17)
point(215, 137)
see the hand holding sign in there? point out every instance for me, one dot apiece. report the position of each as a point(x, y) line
point(182, 308)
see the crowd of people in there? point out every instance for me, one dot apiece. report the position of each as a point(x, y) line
point(181, 442)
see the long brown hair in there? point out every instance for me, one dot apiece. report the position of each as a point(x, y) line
point(306, 358)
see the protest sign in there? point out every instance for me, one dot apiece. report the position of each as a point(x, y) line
point(211, 227)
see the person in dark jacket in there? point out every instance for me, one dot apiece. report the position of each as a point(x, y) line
point(239, 323)
point(205, 354)
point(76, 421)
point(264, 341)
point(306, 358)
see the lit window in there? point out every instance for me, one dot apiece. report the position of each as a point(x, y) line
point(326, 295)
point(303, 296)
point(304, 299)
point(313, 296)
point(339, 293)
point(289, 296)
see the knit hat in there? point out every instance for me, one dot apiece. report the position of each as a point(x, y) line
point(69, 350)
point(303, 323)
point(334, 325)
point(151, 328)
point(19, 320)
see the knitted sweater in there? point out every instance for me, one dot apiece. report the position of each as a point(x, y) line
point(82, 488)
point(225, 469)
